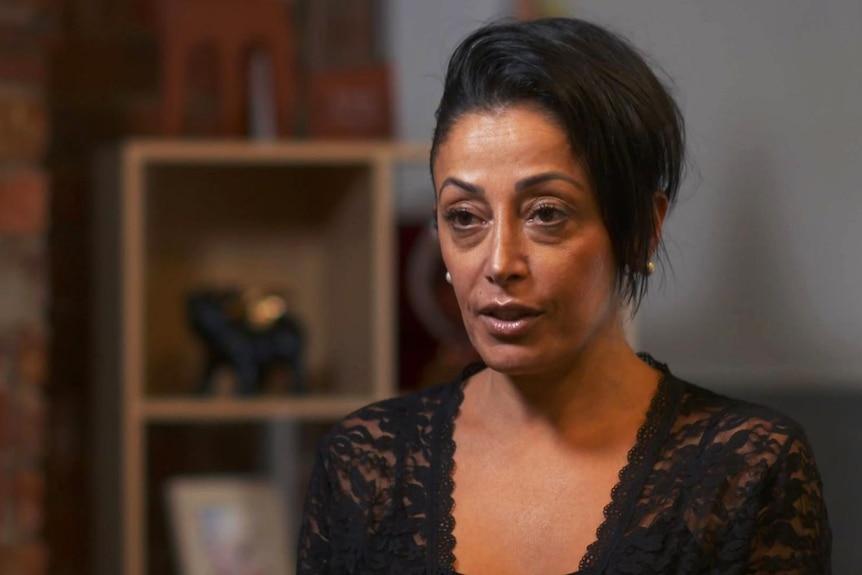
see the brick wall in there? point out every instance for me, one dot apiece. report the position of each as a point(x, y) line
point(24, 197)
point(103, 78)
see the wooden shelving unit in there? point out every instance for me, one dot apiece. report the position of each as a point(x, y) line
point(313, 218)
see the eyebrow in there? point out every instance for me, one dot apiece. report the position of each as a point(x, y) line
point(520, 186)
point(467, 187)
point(531, 181)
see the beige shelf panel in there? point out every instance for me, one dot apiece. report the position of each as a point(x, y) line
point(279, 151)
point(305, 409)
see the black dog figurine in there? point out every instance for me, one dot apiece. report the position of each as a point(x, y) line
point(252, 346)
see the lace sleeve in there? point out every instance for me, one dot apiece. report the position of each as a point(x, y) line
point(792, 533)
point(313, 552)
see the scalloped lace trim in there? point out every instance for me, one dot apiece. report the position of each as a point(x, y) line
point(445, 540)
point(620, 505)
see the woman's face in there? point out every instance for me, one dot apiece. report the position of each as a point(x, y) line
point(523, 238)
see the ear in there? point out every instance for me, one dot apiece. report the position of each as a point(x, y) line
point(660, 206)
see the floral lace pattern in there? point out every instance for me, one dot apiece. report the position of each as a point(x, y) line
point(713, 485)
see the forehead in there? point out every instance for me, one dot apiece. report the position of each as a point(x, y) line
point(506, 121)
point(514, 140)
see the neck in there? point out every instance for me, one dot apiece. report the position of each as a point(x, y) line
point(583, 400)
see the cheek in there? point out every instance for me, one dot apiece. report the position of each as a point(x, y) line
point(598, 288)
point(600, 274)
point(463, 283)
point(584, 283)
point(460, 263)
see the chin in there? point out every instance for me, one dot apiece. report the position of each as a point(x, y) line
point(513, 360)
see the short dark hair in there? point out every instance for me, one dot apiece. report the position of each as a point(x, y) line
point(620, 119)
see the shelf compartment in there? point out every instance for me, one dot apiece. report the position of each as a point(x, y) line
point(307, 231)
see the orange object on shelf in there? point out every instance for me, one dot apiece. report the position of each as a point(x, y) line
point(350, 103)
point(234, 29)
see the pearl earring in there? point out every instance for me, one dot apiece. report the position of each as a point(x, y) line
point(650, 268)
point(448, 278)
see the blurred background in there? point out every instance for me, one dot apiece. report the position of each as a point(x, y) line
point(137, 169)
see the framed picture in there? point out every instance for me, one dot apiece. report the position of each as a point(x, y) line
point(229, 526)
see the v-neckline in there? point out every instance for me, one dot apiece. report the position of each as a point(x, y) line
point(624, 494)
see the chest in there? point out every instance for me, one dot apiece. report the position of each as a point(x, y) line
point(529, 507)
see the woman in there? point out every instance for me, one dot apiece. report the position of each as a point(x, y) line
point(556, 156)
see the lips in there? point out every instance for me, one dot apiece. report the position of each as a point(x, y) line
point(508, 320)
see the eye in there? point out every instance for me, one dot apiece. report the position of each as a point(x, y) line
point(546, 214)
point(461, 218)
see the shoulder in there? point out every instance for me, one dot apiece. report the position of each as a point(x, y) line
point(727, 429)
point(734, 414)
point(393, 412)
point(701, 415)
point(388, 427)
point(750, 470)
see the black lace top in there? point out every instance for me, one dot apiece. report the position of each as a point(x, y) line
point(713, 485)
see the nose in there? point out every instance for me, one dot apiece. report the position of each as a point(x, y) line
point(507, 261)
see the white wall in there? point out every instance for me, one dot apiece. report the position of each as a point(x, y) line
point(764, 245)
point(767, 273)
point(421, 35)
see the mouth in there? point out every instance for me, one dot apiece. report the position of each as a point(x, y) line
point(508, 320)
point(508, 312)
